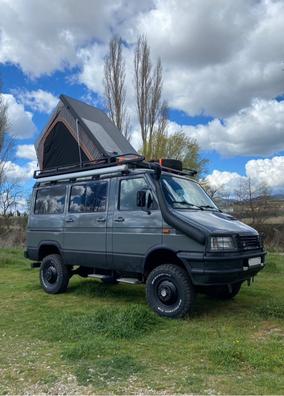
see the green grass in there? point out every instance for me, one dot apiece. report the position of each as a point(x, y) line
point(100, 338)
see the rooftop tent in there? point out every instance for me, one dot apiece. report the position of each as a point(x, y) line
point(77, 132)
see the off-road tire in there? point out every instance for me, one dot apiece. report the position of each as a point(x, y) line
point(54, 275)
point(169, 291)
point(223, 292)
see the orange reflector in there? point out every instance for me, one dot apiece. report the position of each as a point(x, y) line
point(166, 231)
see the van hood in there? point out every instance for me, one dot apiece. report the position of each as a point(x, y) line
point(214, 222)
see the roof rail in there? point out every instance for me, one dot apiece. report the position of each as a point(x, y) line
point(84, 173)
point(66, 170)
point(102, 166)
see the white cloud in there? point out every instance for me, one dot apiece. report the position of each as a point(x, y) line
point(217, 56)
point(224, 181)
point(26, 151)
point(262, 171)
point(39, 100)
point(20, 121)
point(42, 36)
point(19, 174)
point(268, 171)
point(92, 60)
point(255, 130)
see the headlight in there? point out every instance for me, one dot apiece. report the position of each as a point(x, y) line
point(222, 243)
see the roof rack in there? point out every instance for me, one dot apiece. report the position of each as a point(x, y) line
point(102, 166)
point(89, 165)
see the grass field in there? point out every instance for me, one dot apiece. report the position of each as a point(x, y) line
point(104, 339)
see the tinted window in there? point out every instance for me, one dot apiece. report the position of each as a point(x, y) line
point(50, 200)
point(89, 197)
point(128, 192)
point(77, 199)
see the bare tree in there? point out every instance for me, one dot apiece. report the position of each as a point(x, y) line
point(5, 154)
point(114, 84)
point(148, 87)
point(3, 119)
point(252, 201)
point(9, 194)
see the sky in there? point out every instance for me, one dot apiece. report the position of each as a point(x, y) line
point(223, 71)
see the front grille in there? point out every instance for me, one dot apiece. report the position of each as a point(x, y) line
point(248, 242)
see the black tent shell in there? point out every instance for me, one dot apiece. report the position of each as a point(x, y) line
point(76, 133)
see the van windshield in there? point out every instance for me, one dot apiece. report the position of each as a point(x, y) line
point(183, 193)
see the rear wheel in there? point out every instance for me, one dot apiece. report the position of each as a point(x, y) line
point(226, 292)
point(54, 275)
point(169, 291)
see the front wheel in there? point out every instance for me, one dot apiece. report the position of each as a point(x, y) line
point(54, 275)
point(169, 291)
point(226, 292)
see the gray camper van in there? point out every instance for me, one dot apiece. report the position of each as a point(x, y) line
point(125, 220)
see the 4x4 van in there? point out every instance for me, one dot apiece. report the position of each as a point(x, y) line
point(139, 222)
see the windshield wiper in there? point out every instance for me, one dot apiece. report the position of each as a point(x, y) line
point(210, 207)
point(187, 203)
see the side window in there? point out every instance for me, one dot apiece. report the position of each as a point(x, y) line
point(128, 192)
point(89, 197)
point(77, 199)
point(96, 197)
point(50, 200)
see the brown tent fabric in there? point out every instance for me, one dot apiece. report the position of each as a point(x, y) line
point(78, 132)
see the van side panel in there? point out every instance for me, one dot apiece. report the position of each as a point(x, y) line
point(43, 228)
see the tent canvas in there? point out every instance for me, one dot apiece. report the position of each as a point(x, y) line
point(78, 133)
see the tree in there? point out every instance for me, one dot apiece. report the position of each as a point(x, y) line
point(114, 84)
point(148, 87)
point(152, 111)
point(252, 201)
point(3, 119)
point(9, 194)
point(178, 146)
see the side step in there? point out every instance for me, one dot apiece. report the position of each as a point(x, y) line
point(132, 281)
point(99, 276)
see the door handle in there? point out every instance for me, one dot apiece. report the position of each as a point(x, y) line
point(119, 220)
point(101, 220)
point(70, 220)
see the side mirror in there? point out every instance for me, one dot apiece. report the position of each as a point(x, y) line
point(144, 199)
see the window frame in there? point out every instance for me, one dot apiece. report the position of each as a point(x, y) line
point(85, 184)
point(119, 192)
point(50, 188)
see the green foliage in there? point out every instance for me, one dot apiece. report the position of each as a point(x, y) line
point(272, 309)
point(103, 339)
point(117, 323)
point(178, 146)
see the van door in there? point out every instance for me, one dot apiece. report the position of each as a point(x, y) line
point(134, 231)
point(85, 224)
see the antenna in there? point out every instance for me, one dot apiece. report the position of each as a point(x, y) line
point(78, 141)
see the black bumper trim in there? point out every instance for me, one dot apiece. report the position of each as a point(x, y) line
point(220, 270)
point(202, 257)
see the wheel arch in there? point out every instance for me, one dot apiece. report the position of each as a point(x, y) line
point(48, 247)
point(158, 256)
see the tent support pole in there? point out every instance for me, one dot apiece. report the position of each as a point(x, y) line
point(78, 141)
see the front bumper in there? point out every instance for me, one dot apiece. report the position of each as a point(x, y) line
point(221, 269)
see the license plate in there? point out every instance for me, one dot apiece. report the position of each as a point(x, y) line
point(254, 261)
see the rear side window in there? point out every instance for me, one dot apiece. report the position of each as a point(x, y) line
point(88, 198)
point(50, 200)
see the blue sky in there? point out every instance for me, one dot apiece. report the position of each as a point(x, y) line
point(223, 70)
